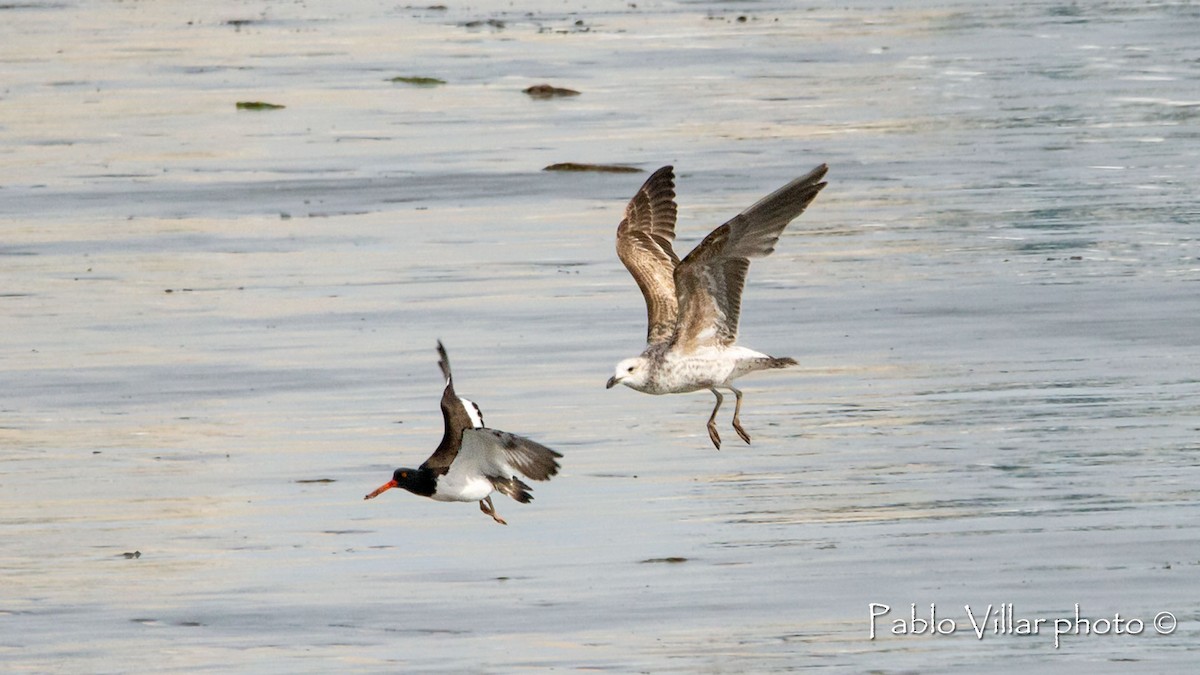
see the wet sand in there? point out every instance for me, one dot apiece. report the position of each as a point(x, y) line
point(220, 328)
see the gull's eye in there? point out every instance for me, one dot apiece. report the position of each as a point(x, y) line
point(629, 369)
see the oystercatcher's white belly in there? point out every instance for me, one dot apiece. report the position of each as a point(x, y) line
point(467, 480)
point(460, 488)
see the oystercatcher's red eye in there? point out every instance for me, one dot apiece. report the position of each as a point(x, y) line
point(404, 474)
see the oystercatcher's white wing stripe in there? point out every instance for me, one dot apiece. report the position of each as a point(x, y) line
point(473, 412)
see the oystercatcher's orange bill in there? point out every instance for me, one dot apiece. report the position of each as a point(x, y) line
point(382, 488)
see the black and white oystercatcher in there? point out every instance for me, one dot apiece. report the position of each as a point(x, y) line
point(692, 307)
point(473, 461)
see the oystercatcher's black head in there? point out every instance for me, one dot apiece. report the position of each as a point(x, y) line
point(417, 481)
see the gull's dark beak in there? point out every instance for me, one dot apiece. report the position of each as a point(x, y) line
point(382, 488)
point(612, 382)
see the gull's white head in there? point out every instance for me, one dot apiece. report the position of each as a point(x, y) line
point(631, 372)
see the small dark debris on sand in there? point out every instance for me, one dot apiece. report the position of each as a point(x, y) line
point(600, 168)
point(417, 80)
point(316, 480)
point(671, 559)
point(490, 23)
point(549, 91)
point(258, 105)
point(131, 555)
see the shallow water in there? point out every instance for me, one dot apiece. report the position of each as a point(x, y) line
point(220, 331)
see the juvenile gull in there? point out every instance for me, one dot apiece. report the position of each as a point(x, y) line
point(692, 307)
point(473, 461)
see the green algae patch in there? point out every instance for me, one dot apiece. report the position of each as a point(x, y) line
point(600, 168)
point(544, 91)
point(258, 105)
point(417, 81)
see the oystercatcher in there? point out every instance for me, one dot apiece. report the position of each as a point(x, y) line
point(473, 461)
point(692, 307)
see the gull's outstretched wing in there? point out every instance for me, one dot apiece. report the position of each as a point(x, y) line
point(644, 246)
point(710, 279)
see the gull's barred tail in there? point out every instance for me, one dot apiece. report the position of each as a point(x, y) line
point(783, 362)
